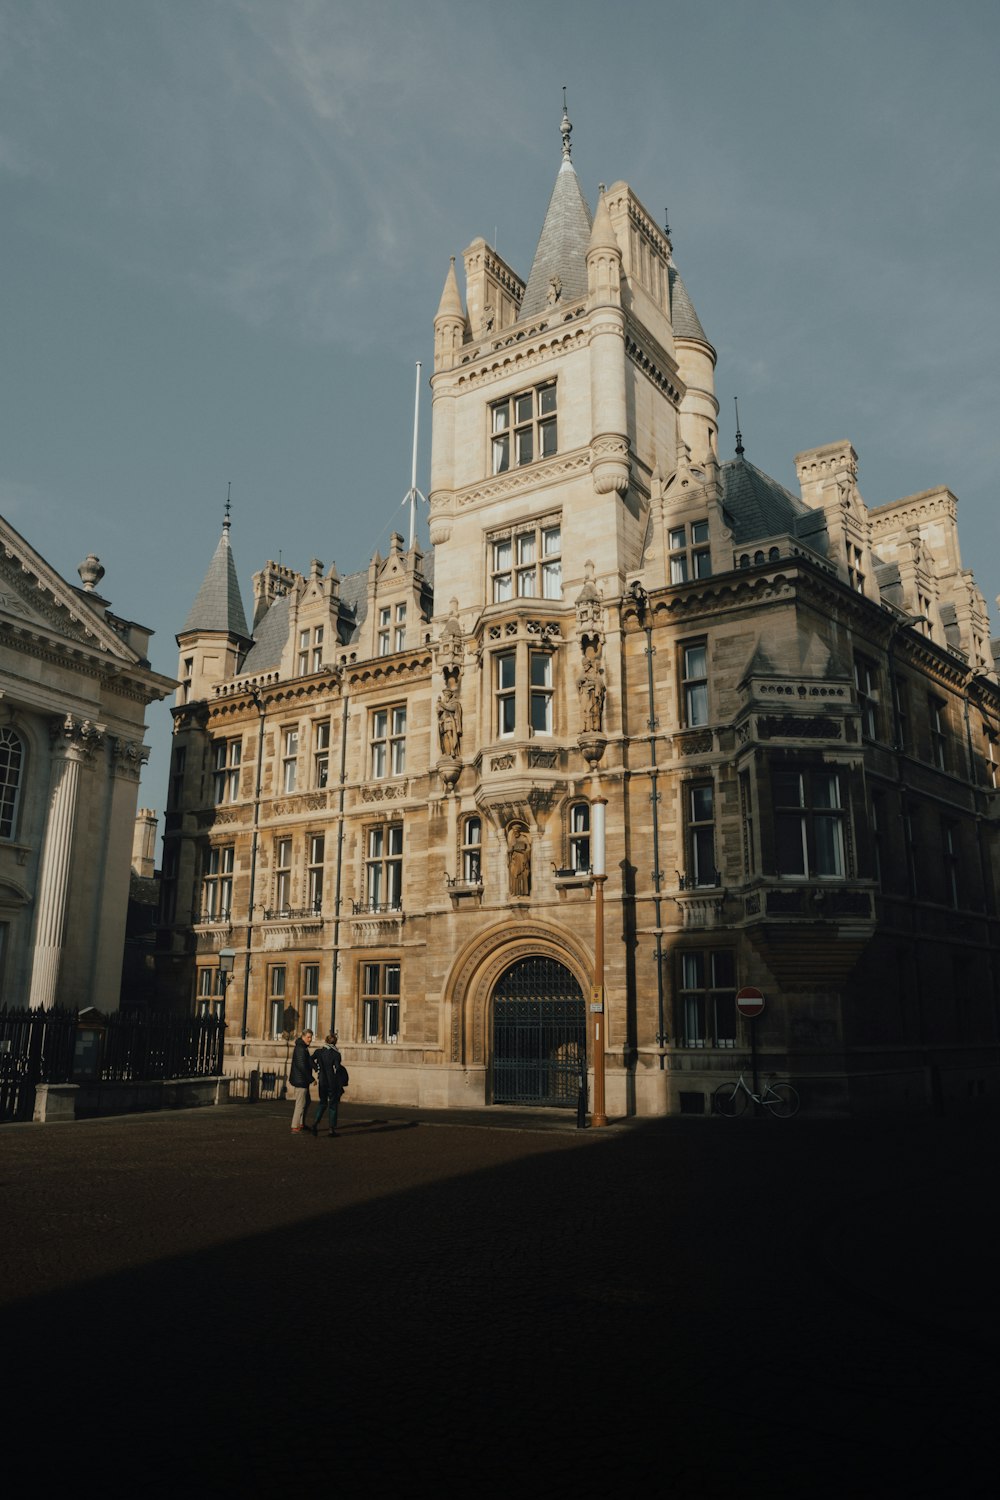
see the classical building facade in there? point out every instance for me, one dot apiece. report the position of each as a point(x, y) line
point(382, 795)
point(75, 683)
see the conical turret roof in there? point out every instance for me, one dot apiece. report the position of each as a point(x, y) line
point(561, 256)
point(219, 606)
point(451, 299)
point(685, 321)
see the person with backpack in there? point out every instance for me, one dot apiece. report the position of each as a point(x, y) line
point(332, 1077)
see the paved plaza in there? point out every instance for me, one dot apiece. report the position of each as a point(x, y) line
point(201, 1302)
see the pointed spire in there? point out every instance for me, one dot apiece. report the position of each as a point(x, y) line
point(739, 435)
point(450, 305)
point(559, 269)
point(219, 606)
point(602, 236)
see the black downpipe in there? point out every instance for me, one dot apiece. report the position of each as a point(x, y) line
point(340, 861)
point(641, 599)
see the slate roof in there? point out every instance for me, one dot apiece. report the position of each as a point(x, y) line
point(758, 506)
point(271, 635)
point(218, 605)
point(562, 246)
point(685, 321)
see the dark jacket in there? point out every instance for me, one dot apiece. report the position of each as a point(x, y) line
point(328, 1062)
point(301, 1072)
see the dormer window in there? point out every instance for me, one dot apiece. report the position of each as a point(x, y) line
point(523, 428)
point(690, 556)
point(310, 650)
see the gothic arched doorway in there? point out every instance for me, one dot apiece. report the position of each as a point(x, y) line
point(539, 1035)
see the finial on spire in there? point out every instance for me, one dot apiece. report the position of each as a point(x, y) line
point(225, 523)
point(739, 435)
point(666, 222)
point(565, 129)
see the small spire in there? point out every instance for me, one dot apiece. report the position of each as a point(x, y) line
point(566, 130)
point(739, 435)
point(225, 523)
point(666, 222)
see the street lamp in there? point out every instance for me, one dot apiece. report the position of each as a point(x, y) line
point(597, 1031)
point(227, 961)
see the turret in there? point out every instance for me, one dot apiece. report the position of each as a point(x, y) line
point(609, 448)
point(214, 637)
point(449, 323)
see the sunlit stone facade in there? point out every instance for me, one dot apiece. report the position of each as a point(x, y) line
point(381, 787)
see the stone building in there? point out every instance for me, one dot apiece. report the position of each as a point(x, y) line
point(75, 683)
point(382, 788)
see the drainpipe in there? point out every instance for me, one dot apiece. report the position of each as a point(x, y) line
point(345, 706)
point(985, 875)
point(258, 704)
point(641, 600)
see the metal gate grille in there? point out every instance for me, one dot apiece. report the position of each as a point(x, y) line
point(539, 1035)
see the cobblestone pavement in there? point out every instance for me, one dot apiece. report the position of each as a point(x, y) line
point(203, 1302)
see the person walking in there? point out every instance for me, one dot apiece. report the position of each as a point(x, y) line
point(300, 1076)
point(331, 1074)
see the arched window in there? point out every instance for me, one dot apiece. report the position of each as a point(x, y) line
point(11, 765)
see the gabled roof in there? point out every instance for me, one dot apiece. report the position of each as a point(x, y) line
point(219, 606)
point(562, 247)
point(271, 634)
point(34, 597)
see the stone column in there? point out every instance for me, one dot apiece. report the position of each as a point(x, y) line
point(73, 742)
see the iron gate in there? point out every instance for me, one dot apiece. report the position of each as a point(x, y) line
point(539, 1035)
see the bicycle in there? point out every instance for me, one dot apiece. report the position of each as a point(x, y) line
point(731, 1099)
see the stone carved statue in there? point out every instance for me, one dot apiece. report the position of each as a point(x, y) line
point(519, 860)
point(449, 717)
point(591, 688)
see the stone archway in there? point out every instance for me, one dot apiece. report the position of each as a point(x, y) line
point(539, 1035)
point(479, 968)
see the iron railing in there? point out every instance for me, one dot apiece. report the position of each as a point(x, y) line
point(36, 1046)
point(40, 1046)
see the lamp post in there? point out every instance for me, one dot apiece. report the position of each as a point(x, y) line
point(227, 959)
point(598, 805)
point(258, 704)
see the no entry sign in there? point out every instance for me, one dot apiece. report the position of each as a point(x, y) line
point(749, 1001)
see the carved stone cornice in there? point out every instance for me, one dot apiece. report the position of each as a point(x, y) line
point(523, 347)
point(515, 481)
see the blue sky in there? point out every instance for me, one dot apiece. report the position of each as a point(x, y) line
point(225, 226)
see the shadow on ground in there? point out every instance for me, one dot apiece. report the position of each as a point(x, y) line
point(201, 1303)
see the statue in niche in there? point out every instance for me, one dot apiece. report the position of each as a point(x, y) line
point(590, 687)
point(519, 860)
point(449, 717)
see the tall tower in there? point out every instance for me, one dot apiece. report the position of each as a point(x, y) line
point(560, 395)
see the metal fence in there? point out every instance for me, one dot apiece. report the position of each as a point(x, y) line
point(36, 1046)
point(257, 1085)
point(55, 1046)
